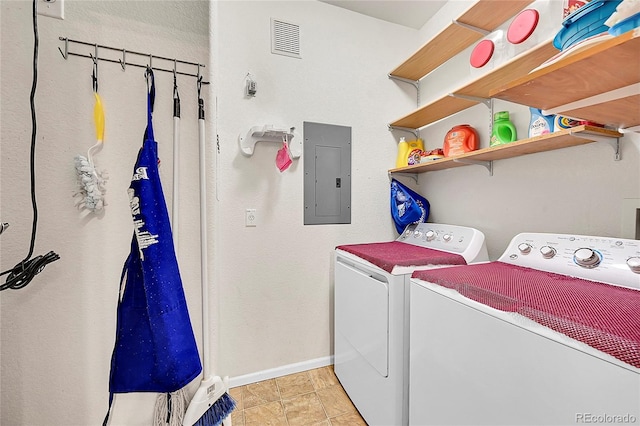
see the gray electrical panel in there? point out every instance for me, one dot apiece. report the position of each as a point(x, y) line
point(327, 174)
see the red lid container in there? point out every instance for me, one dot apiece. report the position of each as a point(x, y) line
point(523, 26)
point(482, 53)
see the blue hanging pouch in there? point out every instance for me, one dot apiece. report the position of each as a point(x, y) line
point(155, 348)
point(407, 206)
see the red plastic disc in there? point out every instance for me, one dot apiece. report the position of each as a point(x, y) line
point(481, 53)
point(523, 26)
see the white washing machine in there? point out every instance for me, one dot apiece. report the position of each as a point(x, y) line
point(371, 312)
point(547, 335)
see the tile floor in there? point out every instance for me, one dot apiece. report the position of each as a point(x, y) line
point(313, 398)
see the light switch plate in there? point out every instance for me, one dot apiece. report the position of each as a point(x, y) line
point(251, 217)
point(51, 8)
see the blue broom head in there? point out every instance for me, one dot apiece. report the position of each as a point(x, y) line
point(217, 412)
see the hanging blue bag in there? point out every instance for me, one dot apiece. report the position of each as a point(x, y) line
point(407, 206)
point(155, 348)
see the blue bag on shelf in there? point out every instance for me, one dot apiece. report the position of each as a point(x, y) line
point(407, 206)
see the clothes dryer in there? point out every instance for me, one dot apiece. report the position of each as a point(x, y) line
point(547, 335)
point(371, 312)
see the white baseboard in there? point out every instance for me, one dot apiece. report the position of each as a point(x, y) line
point(271, 373)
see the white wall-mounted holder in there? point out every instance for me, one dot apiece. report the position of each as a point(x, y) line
point(269, 133)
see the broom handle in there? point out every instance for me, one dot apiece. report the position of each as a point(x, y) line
point(176, 182)
point(176, 166)
point(203, 248)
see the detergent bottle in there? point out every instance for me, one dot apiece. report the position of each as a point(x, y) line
point(503, 129)
point(403, 152)
point(563, 123)
point(416, 148)
point(540, 124)
point(459, 140)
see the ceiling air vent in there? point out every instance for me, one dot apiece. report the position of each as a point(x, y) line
point(285, 38)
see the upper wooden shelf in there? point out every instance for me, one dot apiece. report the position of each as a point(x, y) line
point(561, 139)
point(485, 15)
point(478, 88)
point(598, 83)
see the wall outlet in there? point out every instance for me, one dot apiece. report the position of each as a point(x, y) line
point(51, 8)
point(250, 218)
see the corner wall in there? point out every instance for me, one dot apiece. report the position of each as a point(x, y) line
point(275, 280)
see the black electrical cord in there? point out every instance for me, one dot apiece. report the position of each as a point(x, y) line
point(28, 268)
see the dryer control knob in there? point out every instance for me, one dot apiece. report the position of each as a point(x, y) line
point(587, 258)
point(525, 248)
point(431, 235)
point(634, 264)
point(417, 233)
point(547, 252)
point(447, 237)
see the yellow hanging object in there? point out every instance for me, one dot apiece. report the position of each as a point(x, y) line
point(98, 118)
point(91, 182)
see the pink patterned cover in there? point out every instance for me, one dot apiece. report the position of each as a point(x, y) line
point(603, 316)
point(388, 255)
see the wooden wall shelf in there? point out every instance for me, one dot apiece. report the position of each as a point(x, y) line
point(562, 139)
point(479, 88)
point(454, 38)
point(599, 83)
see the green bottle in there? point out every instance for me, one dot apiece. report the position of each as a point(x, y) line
point(503, 129)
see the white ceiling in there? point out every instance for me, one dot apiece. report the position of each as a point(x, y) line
point(413, 14)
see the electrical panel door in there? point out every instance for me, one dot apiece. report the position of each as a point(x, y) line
point(327, 174)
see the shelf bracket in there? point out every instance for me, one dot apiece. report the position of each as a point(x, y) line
point(616, 149)
point(413, 176)
point(487, 164)
point(633, 129)
point(485, 101)
point(614, 142)
point(414, 83)
point(414, 132)
point(471, 27)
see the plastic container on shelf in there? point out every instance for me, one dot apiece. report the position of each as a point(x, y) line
point(414, 152)
point(533, 26)
point(625, 25)
point(403, 151)
point(488, 54)
point(585, 22)
point(434, 154)
point(570, 6)
point(503, 129)
point(460, 140)
point(540, 124)
point(563, 123)
point(409, 153)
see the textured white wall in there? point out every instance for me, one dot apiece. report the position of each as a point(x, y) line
point(275, 280)
point(58, 333)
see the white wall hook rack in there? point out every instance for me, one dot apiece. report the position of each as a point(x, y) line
point(269, 133)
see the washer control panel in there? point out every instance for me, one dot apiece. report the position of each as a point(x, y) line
point(609, 260)
point(468, 242)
